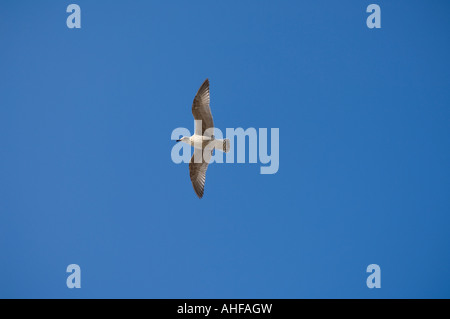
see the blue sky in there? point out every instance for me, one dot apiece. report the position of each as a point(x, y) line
point(86, 175)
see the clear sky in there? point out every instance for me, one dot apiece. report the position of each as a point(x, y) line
point(86, 176)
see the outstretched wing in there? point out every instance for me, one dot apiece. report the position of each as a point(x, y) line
point(201, 110)
point(197, 170)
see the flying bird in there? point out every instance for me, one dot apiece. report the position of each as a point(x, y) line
point(203, 139)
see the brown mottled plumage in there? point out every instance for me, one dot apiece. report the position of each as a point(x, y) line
point(201, 111)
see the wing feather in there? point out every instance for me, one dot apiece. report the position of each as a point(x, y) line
point(201, 110)
point(197, 171)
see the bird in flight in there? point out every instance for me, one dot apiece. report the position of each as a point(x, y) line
point(203, 139)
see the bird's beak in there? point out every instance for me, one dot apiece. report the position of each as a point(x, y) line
point(178, 140)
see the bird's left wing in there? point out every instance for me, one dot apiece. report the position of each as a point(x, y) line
point(202, 111)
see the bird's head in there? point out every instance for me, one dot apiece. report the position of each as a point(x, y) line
point(184, 139)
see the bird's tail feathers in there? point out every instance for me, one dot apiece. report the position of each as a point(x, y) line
point(226, 145)
point(222, 145)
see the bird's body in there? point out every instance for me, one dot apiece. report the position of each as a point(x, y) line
point(202, 139)
point(199, 141)
point(202, 142)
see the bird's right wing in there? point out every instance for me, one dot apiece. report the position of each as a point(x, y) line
point(201, 110)
point(197, 170)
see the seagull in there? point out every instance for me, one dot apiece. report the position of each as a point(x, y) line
point(203, 139)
